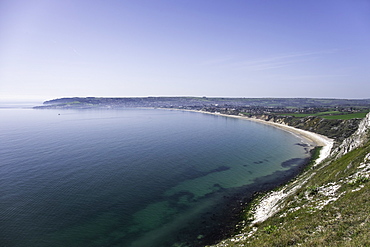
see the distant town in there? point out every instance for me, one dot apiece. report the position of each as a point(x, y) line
point(231, 106)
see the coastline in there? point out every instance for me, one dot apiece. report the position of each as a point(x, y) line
point(270, 203)
point(319, 140)
point(313, 138)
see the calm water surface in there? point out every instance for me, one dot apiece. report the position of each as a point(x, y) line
point(133, 177)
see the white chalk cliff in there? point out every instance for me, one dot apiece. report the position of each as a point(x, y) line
point(356, 140)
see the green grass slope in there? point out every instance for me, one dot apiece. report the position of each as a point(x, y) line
point(327, 205)
point(331, 208)
point(329, 115)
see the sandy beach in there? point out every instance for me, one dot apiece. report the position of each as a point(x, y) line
point(270, 203)
point(319, 140)
point(311, 137)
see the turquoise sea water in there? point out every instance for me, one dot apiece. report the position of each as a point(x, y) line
point(132, 177)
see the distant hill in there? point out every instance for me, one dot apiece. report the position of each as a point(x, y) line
point(198, 102)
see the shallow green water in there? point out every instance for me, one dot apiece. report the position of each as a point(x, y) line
point(131, 177)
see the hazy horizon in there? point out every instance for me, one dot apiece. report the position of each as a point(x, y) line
point(41, 100)
point(251, 49)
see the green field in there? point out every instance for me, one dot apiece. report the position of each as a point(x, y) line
point(330, 115)
point(347, 116)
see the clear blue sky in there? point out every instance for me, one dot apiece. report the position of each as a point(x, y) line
point(259, 48)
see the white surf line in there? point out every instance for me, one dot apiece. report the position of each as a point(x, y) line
point(270, 204)
point(320, 140)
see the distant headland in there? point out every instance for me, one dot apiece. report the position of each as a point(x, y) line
point(334, 118)
point(198, 103)
point(324, 205)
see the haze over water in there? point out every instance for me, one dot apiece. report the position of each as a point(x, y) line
point(132, 177)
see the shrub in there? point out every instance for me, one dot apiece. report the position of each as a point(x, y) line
point(359, 180)
point(312, 190)
point(270, 229)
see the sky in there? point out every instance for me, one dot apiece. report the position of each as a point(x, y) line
point(215, 48)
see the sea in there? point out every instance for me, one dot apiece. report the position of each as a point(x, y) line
point(134, 177)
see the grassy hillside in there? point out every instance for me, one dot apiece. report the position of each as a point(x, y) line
point(330, 115)
point(331, 209)
point(337, 129)
point(327, 205)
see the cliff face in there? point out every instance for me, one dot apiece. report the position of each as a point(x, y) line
point(357, 139)
point(336, 129)
point(327, 205)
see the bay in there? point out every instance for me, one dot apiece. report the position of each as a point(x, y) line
point(133, 177)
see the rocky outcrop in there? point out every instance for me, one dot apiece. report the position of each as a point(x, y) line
point(357, 139)
point(271, 203)
point(336, 129)
point(348, 134)
point(330, 185)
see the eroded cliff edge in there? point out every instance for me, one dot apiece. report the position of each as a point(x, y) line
point(327, 205)
point(336, 129)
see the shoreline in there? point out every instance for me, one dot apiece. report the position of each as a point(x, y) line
point(313, 138)
point(270, 203)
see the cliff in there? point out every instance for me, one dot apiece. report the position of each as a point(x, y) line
point(336, 129)
point(357, 139)
point(327, 205)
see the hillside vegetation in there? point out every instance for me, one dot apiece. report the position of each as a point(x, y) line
point(337, 129)
point(328, 204)
point(330, 115)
